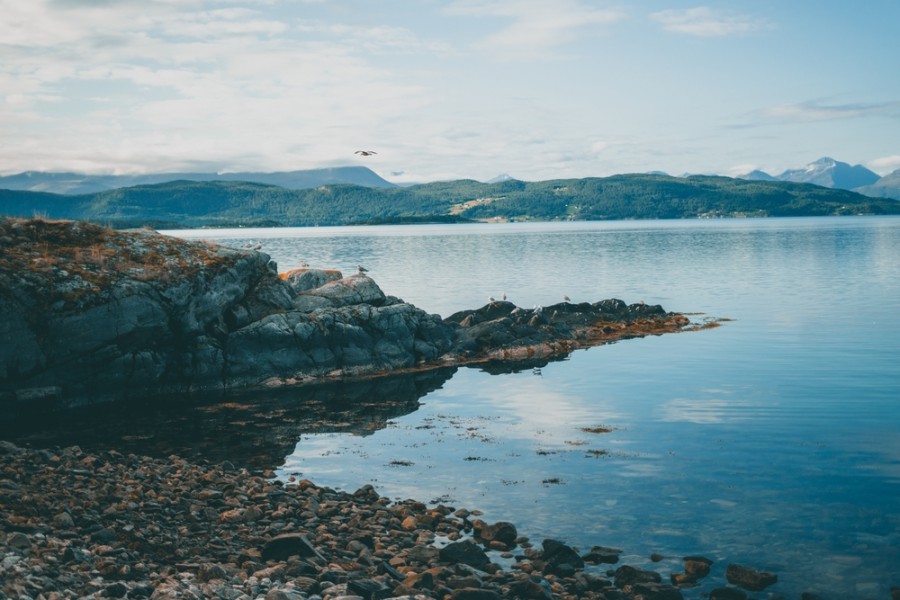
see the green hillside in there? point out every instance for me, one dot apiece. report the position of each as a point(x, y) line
point(640, 196)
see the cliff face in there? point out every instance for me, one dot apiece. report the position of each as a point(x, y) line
point(89, 315)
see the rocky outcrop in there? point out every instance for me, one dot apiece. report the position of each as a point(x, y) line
point(89, 314)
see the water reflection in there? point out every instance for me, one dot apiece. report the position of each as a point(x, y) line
point(253, 429)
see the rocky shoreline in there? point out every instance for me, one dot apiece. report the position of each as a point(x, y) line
point(110, 525)
point(90, 315)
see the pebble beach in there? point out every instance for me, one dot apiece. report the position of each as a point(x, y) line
point(109, 525)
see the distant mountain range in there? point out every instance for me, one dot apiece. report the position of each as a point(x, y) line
point(76, 183)
point(826, 172)
point(182, 203)
point(832, 173)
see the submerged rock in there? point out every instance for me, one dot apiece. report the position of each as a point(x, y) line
point(748, 578)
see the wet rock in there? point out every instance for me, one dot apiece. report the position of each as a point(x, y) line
point(748, 578)
point(503, 532)
point(727, 593)
point(601, 554)
point(695, 568)
point(560, 558)
point(627, 575)
point(654, 591)
point(465, 552)
point(530, 590)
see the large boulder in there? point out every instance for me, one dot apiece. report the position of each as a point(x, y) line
point(88, 314)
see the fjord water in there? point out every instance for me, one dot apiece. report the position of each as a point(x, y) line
point(771, 441)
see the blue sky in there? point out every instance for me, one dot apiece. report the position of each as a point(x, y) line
point(448, 89)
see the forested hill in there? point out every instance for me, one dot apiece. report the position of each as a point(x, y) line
point(640, 196)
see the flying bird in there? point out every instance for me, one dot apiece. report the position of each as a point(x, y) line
point(365, 152)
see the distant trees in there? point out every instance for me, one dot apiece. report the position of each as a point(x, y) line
point(636, 196)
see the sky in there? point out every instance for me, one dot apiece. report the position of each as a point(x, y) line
point(448, 89)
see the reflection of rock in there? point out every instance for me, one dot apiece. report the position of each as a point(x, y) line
point(90, 315)
point(253, 429)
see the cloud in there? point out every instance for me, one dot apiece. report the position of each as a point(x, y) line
point(814, 110)
point(703, 21)
point(375, 38)
point(536, 25)
point(154, 85)
point(885, 164)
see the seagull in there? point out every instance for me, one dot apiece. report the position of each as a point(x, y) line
point(258, 246)
point(304, 264)
point(566, 299)
point(365, 152)
point(361, 269)
point(503, 297)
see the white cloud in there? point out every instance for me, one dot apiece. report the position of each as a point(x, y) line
point(705, 22)
point(536, 25)
point(813, 110)
point(885, 164)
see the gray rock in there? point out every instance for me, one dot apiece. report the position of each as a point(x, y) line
point(286, 545)
point(465, 552)
point(556, 554)
point(136, 314)
point(18, 540)
point(303, 280)
point(748, 578)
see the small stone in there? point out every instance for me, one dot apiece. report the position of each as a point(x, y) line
point(63, 521)
point(116, 590)
point(19, 540)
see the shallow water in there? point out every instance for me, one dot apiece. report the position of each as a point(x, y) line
point(771, 441)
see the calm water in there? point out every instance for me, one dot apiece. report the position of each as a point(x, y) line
point(772, 441)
